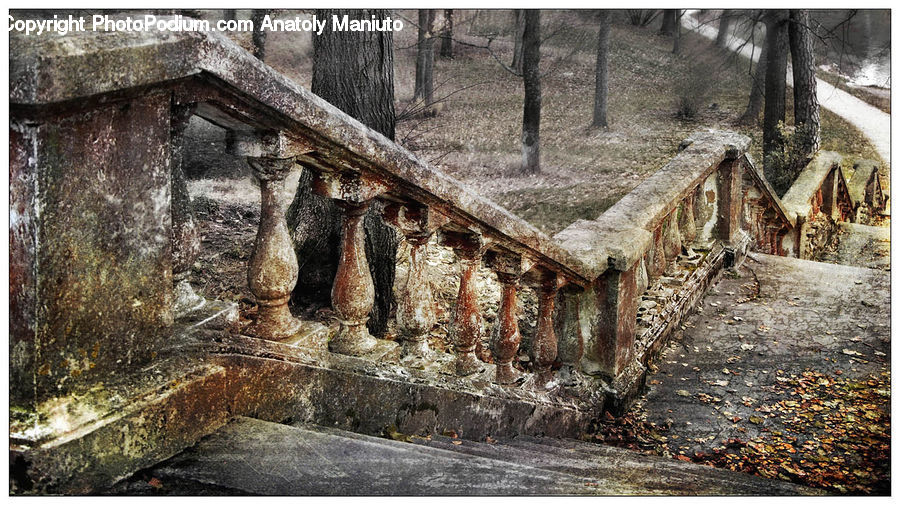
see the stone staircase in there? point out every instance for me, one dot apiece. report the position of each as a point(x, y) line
point(253, 457)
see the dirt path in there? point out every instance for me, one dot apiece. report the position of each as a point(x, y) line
point(874, 123)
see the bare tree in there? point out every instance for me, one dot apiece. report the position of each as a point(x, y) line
point(517, 47)
point(601, 87)
point(259, 35)
point(724, 27)
point(531, 117)
point(354, 71)
point(776, 69)
point(757, 88)
point(676, 46)
point(641, 17)
point(424, 89)
point(669, 22)
point(447, 35)
point(806, 103)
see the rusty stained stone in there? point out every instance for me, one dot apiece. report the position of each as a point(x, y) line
point(467, 323)
point(686, 225)
point(273, 268)
point(415, 308)
point(729, 208)
point(617, 299)
point(509, 270)
point(567, 327)
point(656, 265)
point(545, 344)
point(353, 292)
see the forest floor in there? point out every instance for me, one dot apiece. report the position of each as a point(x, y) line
point(475, 135)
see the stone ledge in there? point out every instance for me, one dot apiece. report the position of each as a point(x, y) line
point(798, 199)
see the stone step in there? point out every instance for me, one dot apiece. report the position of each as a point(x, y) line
point(249, 456)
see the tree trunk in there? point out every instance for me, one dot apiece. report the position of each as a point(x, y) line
point(776, 71)
point(668, 22)
point(676, 46)
point(447, 35)
point(353, 71)
point(259, 35)
point(520, 33)
point(724, 28)
point(601, 88)
point(424, 89)
point(806, 104)
point(230, 14)
point(531, 117)
point(754, 104)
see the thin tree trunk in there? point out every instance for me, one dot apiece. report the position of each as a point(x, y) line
point(259, 35)
point(757, 87)
point(531, 117)
point(424, 89)
point(601, 88)
point(517, 48)
point(447, 35)
point(353, 71)
point(676, 46)
point(668, 22)
point(724, 27)
point(806, 103)
point(230, 14)
point(776, 71)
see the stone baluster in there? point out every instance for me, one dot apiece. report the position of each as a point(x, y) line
point(509, 270)
point(185, 234)
point(466, 324)
point(568, 330)
point(353, 292)
point(273, 268)
point(415, 308)
point(544, 345)
point(686, 220)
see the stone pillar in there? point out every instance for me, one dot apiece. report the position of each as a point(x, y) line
point(353, 293)
point(415, 307)
point(567, 322)
point(686, 223)
point(729, 219)
point(185, 235)
point(466, 324)
point(617, 299)
point(671, 235)
point(509, 271)
point(544, 347)
point(272, 271)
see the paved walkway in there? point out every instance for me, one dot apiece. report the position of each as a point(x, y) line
point(780, 368)
point(874, 123)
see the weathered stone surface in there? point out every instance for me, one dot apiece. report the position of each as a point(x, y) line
point(799, 198)
point(271, 459)
point(103, 242)
point(49, 68)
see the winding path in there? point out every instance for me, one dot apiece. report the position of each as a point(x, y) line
point(874, 123)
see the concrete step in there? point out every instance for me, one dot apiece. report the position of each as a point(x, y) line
point(861, 246)
point(249, 456)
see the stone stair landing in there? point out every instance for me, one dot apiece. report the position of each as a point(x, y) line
point(249, 456)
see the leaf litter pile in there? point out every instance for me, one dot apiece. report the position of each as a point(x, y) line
point(825, 431)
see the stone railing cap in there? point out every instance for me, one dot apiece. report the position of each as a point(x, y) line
point(798, 199)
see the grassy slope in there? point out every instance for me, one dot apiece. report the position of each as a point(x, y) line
point(476, 137)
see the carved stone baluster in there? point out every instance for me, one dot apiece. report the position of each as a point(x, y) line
point(273, 268)
point(185, 234)
point(506, 345)
point(353, 292)
point(466, 324)
point(544, 346)
point(570, 337)
point(415, 308)
point(686, 220)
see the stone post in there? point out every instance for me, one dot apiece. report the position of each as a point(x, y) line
point(544, 347)
point(273, 268)
point(509, 269)
point(353, 292)
point(415, 308)
point(730, 202)
point(466, 324)
point(185, 235)
point(570, 346)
